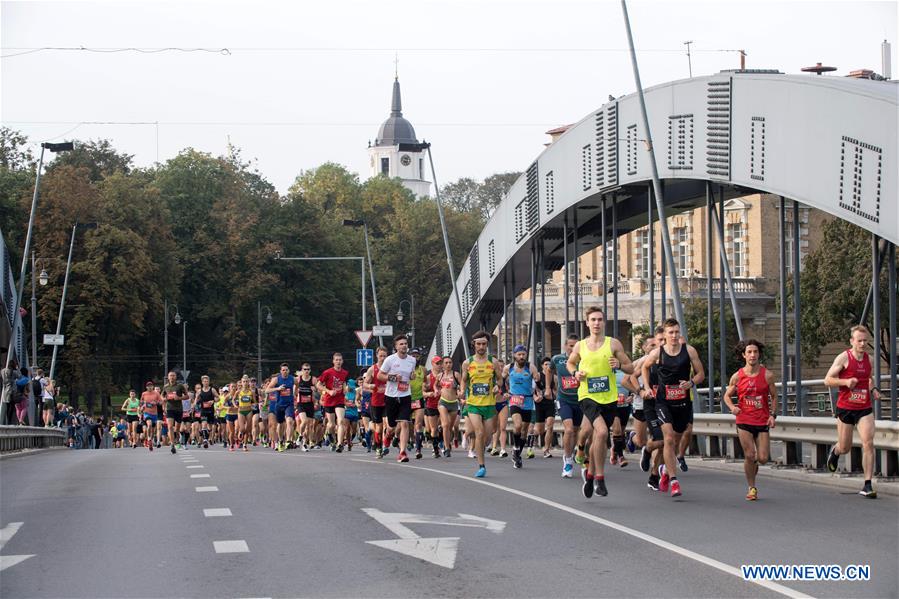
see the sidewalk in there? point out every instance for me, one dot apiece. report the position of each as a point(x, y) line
point(837, 480)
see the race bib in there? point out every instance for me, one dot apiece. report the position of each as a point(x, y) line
point(305, 398)
point(859, 396)
point(675, 394)
point(516, 400)
point(401, 386)
point(416, 405)
point(480, 389)
point(753, 402)
point(598, 384)
point(285, 392)
point(569, 383)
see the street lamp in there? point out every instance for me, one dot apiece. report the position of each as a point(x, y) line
point(65, 287)
point(43, 279)
point(400, 316)
point(177, 320)
point(60, 147)
point(374, 293)
point(268, 320)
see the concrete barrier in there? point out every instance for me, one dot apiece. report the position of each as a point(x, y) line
point(14, 438)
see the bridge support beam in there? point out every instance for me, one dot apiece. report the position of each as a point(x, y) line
point(783, 305)
point(709, 206)
point(651, 269)
point(615, 266)
point(722, 321)
point(727, 274)
point(875, 321)
point(605, 265)
point(797, 317)
point(578, 308)
point(566, 281)
point(893, 366)
point(541, 347)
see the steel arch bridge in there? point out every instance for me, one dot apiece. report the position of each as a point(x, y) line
point(829, 143)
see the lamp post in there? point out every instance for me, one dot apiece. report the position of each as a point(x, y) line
point(65, 287)
point(268, 320)
point(371, 271)
point(60, 147)
point(400, 316)
point(44, 279)
point(182, 321)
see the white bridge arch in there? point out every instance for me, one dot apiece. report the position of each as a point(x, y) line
point(827, 142)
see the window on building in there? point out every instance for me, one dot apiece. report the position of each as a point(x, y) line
point(421, 169)
point(737, 249)
point(642, 240)
point(788, 237)
point(385, 166)
point(611, 271)
point(681, 251)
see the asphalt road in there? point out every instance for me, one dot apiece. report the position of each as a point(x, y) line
point(130, 523)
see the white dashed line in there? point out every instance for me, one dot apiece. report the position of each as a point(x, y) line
point(199, 476)
point(230, 546)
point(189, 467)
point(217, 512)
point(207, 489)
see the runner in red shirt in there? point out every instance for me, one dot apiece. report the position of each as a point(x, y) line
point(332, 386)
point(377, 389)
point(851, 372)
point(756, 410)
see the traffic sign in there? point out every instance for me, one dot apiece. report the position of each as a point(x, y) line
point(54, 339)
point(364, 337)
point(365, 357)
point(383, 330)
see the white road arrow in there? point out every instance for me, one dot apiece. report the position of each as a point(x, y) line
point(6, 533)
point(436, 550)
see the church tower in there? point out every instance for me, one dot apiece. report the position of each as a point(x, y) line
point(391, 156)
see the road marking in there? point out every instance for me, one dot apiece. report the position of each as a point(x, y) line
point(199, 476)
point(6, 533)
point(437, 550)
point(230, 546)
point(682, 551)
point(217, 512)
point(189, 467)
point(190, 460)
point(207, 489)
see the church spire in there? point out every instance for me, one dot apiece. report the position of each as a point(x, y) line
point(396, 104)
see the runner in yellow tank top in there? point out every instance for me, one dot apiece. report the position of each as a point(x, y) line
point(594, 361)
point(479, 381)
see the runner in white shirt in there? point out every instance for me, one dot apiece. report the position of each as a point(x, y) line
point(397, 370)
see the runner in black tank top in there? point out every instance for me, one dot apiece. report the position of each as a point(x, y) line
point(673, 405)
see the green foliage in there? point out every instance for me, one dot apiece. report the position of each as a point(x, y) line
point(481, 199)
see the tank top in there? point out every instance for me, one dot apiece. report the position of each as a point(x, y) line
point(245, 399)
point(480, 382)
point(521, 387)
point(860, 397)
point(377, 396)
point(350, 396)
point(207, 399)
point(286, 394)
point(671, 371)
point(416, 384)
point(624, 396)
point(599, 385)
point(433, 400)
point(304, 388)
point(132, 406)
point(753, 396)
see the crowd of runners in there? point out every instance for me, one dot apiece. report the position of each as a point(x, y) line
point(609, 406)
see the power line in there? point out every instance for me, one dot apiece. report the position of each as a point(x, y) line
point(267, 124)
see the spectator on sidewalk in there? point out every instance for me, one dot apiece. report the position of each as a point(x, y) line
point(8, 378)
point(23, 385)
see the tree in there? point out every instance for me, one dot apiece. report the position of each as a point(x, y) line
point(468, 195)
point(833, 287)
point(99, 157)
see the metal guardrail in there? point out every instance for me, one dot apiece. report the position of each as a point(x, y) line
point(13, 438)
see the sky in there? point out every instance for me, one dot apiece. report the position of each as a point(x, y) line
point(297, 84)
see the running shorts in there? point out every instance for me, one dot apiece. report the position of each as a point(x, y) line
point(569, 411)
point(852, 416)
point(398, 409)
point(545, 409)
point(753, 428)
point(677, 414)
point(593, 410)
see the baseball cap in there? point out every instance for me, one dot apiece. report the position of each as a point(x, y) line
point(518, 348)
point(148, 383)
point(436, 360)
point(415, 350)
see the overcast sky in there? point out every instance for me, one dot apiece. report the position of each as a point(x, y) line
point(304, 83)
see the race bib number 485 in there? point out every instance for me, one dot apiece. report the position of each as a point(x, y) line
point(480, 389)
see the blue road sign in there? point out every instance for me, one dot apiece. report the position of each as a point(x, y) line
point(365, 357)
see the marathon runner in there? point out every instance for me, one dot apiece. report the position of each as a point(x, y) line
point(755, 411)
point(851, 373)
point(502, 412)
point(174, 393)
point(131, 407)
point(479, 378)
point(282, 383)
point(448, 384)
point(594, 361)
point(546, 407)
point(332, 386)
point(398, 371)
point(206, 398)
point(373, 384)
point(522, 377)
point(246, 397)
point(432, 401)
point(569, 409)
point(351, 413)
point(416, 386)
point(305, 404)
point(673, 405)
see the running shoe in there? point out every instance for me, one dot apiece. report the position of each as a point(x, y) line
point(481, 473)
point(447, 453)
point(456, 443)
point(206, 444)
point(868, 491)
point(333, 447)
point(530, 453)
point(464, 442)
point(380, 453)
point(645, 458)
point(566, 470)
point(436, 453)
point(150, 446)
point(306, 448)
point(245, 448)
point(339, 449)
point(547, 453)
point(599, 486)
point(682, 463)
point(494, 452)
point(503, 454)
point(587, 488)
point(613, 459)
point(403, 458)
point(385, 450)
point(174, 450)
point(622, 461)
point(832, 460)
point(663, 478)
point(471, 453)
point(395, 442)
point(675, 488)
point(631, 447)
point(516, 458)
point(231, 447)
point(584, 474)
point(417, 454)
point(753, 494)
point(653, 482)
point(580, 457)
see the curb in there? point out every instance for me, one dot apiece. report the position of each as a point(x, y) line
point(26, 452)
point(821, 479)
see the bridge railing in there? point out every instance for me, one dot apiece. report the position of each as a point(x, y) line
point(14, 438)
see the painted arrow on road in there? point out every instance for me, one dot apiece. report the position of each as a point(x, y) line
point(440, 551)
point(6, 533)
